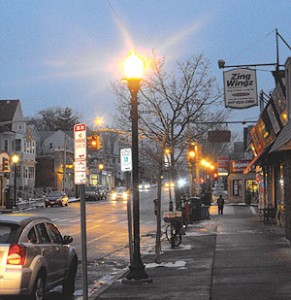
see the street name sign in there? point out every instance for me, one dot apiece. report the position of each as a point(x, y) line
point(80, 143)
point(126, 160)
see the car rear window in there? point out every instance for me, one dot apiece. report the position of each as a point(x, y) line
point(8, 233)
point(90, 188)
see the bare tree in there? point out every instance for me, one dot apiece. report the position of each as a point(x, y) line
point(173, 108)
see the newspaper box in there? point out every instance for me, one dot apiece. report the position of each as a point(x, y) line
point(172, 216)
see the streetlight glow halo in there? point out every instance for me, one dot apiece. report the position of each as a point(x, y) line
point(15, 158)
point(133, 66)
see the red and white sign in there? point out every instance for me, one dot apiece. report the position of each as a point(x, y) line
point(80, 143)
point(223, 165)
point(238, 166)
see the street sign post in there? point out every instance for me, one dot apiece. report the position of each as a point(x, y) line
point(80, 143)
point(125, 159)
point(126, 166)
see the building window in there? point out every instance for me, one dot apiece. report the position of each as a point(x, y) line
point(31, 172)
point(33, 147)
point(251, 190)
point(236, 187)
point(17, 145)
point(6, 148)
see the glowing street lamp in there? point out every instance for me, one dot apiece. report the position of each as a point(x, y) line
point(100, 167)
point(15, 160)
point(133, 67)
point(99, 121)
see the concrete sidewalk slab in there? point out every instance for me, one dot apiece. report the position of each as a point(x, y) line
point(233, 256)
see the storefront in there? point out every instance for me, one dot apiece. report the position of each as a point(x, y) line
point(242, 188)
point(271, 148)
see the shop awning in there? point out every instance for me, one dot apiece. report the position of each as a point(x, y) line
point(255, 160)
point(283, 141)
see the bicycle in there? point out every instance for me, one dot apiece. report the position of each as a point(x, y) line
point(173, 233)
point(173, 229)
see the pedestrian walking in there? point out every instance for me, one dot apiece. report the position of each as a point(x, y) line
point(220, 204)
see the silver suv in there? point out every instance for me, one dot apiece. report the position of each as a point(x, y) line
point(35, 257)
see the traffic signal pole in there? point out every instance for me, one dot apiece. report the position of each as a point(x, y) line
point(2, 188)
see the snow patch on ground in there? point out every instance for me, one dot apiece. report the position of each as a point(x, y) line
point(175, 264)
point(199, 233)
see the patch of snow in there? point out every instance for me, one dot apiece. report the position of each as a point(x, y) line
point(175, 264)
point(200, 233)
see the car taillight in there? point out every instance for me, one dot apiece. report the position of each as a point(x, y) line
point(16, 255)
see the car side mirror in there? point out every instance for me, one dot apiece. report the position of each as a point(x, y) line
point(67, 239)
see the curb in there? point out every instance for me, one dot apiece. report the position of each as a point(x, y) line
point(101, 289)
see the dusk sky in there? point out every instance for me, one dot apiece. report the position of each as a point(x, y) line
point(67, 52)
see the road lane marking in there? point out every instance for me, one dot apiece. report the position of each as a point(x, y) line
point(148, 222)
point(111, 221)
point(79, 231)
point(100, 237)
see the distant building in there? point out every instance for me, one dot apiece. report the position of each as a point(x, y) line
point(55, 161)
point(109, 156)
point(16, 137)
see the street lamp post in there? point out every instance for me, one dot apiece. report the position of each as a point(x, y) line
point(101, 167)
point(133, 70)
point(15, 160)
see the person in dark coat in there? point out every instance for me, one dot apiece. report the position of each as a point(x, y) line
point(220, 205)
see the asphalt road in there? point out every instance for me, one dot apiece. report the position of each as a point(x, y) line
point(107, 235)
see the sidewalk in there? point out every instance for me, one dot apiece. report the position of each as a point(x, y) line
point(233, 256)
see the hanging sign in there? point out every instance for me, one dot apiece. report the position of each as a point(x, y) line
point(240, 88)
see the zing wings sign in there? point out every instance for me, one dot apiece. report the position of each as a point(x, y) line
point(240, 88)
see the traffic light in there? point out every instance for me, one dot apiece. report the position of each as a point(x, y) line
point(94, 142)
point(5, 164)
point(193, 152)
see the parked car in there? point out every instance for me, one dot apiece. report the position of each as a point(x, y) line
point(91, 193)
point(119, 193)
point(56, 198)
point(35, 257)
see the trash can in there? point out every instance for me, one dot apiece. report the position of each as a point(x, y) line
point(195, 203)
point(204, 212)
point(187, 212)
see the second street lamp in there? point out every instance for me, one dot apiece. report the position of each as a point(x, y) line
point(133, 70)
point(15, 160)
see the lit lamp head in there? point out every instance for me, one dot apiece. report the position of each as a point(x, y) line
point(133, 68)
point(101, 167)
point(167, 151)
point(99, 121)
point(15, 159)
point(191, 155)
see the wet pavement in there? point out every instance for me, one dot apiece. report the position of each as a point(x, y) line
point(231, 256)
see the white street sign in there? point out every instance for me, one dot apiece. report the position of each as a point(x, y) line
point(80, 143)
point(126, 160)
